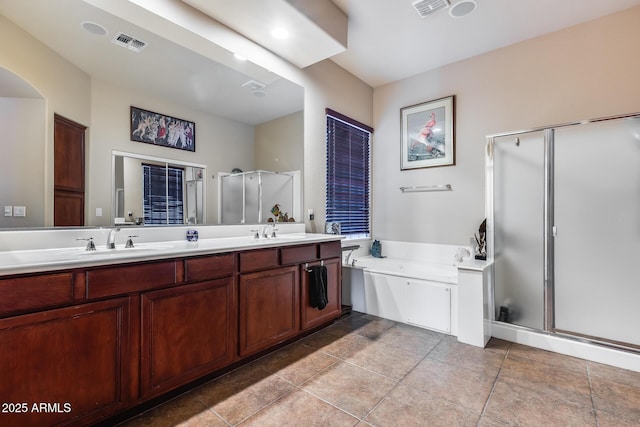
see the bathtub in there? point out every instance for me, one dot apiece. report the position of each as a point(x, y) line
point(415, 283)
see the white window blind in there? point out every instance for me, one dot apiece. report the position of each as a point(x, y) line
point(348, 174)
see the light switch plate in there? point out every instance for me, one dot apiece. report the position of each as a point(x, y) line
point(19, 211)
point(98, 211)
point(8, 211)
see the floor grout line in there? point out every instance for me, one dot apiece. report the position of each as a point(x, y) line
point(495, 382)
point(593, 402)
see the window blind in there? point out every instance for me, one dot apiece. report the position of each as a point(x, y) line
point(348, 174)
point(162, 194)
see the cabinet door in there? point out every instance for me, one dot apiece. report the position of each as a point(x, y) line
point(269, 308)
point(311, 316)
point(187, 331)
point(65, 365)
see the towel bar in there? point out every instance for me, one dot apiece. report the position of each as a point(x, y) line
point(421, 188)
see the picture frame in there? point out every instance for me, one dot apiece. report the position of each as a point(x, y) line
point(427, 134)
point(162, 130)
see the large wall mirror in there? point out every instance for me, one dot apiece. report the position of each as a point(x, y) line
point(60, 57)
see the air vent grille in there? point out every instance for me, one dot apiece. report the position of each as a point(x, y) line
point(427, 7)
point(132, 43)
point(254, 85)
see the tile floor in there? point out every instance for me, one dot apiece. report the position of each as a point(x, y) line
point(368, 371)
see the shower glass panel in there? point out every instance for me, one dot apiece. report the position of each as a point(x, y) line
point(276, 189)
point(248, 197)
point(518, 186)
point(597, 215)
point(252, 197)
point(232, 199)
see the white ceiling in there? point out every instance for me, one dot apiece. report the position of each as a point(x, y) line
point(317, 28)
point(163, 68)
point(389, 41)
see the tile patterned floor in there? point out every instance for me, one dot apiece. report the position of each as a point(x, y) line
point(368, 371)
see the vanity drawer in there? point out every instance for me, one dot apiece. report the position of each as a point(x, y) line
point(298, 254)
point(121, 280)
point(259, 259)
point(35, 292)
point(330, 250)
point(209, 267)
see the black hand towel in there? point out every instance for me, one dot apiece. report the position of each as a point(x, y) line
point(318, 286)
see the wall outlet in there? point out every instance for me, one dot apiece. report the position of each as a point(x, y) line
point(8, 211)
point(310, 215)
point(98, 211)
point(19, 211)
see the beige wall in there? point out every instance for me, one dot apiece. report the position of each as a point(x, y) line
point(22, 160)
point(279, 143)
point(582, 72)
point(65, 88)
point(327, 86)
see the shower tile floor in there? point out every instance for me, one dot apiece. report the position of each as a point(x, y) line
point(368, 371)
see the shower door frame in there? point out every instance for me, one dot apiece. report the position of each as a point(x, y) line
point(549, 229)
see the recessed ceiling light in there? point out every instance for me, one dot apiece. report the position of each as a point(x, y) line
point(280, 33)
point(94, 28)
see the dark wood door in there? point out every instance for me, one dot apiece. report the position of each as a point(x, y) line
point(311, 316)
point(67, 365)
point(68, 171)
point(187, 332)
point(269, 308)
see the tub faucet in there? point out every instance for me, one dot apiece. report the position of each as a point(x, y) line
point(111, 239)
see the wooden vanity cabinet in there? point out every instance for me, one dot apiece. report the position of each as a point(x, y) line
point(66, 365)
point(187, 332)
point(269, 304)
point(86, 344)
point(310, 316)
point(36, 292)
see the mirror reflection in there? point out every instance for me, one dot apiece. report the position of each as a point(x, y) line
point(51, 63)
point(259, 197)
point(151, 191)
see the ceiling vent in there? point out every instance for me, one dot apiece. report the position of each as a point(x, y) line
point(254, 85)
point(256, 88)
point(427, 7)
point(124, 40)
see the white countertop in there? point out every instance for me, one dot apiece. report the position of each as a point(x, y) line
point(39, 260)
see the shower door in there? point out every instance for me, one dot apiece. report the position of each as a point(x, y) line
point(597, 218)
point(566, 228)
point(518, 200)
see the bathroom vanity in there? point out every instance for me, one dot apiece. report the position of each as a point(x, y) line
point(103, 334)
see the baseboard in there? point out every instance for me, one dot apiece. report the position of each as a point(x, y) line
point(583, 350)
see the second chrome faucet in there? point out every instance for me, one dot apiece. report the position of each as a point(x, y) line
point(111, 239)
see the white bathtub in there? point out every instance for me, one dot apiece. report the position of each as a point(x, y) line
point(415, 284)
point(432, 271)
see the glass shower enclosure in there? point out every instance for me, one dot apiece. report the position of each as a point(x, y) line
point(564, 224)
point(248, 197)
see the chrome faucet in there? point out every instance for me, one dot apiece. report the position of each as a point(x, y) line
point(273, 231)
point(90, 245)
point(111, 240)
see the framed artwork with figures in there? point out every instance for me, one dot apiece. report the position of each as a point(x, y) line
point(427, 134)
point(159, 129)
